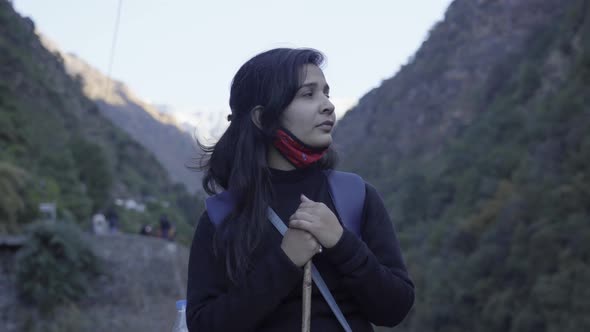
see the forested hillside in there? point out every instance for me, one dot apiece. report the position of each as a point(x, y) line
point(480, 146)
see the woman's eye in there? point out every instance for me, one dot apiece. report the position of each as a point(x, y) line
point(308, 94)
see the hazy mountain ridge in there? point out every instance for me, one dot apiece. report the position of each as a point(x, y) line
point(204, 124)
point(157, 131)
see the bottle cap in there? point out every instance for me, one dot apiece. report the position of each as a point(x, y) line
point(180, 304)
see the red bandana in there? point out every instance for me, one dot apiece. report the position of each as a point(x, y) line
point(295, 151)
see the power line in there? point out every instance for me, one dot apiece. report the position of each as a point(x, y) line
point(112, 55)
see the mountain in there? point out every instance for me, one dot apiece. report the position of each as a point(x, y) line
point(205, 124)
point(61, 154)
point(435, 96)
point(160, 133)
point(58, 147)
point(480, 149)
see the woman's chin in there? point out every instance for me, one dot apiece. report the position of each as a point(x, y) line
point(322, 142)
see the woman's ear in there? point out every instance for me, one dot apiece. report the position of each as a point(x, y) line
point(256, 115)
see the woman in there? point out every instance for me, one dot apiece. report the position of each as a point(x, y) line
point(243, 275)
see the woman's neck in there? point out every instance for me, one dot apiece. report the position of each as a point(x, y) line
point(277, 161)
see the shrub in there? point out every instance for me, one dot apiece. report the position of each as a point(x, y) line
point(17, 202)
point(55, 266)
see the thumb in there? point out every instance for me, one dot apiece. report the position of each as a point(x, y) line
point(305, 199)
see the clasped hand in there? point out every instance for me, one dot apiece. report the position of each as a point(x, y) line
point(311, 226)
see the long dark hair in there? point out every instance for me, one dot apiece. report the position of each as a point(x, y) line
point(238, 161)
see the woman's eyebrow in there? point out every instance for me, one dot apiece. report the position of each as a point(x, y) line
point(314, 85)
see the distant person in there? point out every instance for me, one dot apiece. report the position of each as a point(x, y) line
point(99, 224)
point(167, 231)
point(113, 220)
point(277, 153)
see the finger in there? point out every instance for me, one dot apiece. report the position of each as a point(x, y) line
point(305, 199)
point(302, 225)
point(307, 208)
point(307, 214)
point(304, 216)
point(301, 214)
point(315, 247)
point(307, 204)
point(291, 231)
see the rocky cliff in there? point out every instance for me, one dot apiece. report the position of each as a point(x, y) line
point(158, 132)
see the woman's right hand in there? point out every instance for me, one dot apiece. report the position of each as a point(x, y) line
point(300, 246)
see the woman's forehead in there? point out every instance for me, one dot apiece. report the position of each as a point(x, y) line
point(313, 75)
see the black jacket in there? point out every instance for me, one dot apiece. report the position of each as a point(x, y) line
point(367, 277)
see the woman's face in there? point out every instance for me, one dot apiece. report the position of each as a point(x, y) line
point(310, 109)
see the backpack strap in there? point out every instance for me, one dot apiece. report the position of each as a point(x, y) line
point(219, 207)
point(348, 191)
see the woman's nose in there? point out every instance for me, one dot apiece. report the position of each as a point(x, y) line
point(328, 107)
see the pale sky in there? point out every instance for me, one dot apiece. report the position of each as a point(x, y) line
point(184, 53)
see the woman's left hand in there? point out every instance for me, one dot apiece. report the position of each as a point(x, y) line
point(319, 220)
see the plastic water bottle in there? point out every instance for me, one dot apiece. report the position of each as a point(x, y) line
point(180, 323)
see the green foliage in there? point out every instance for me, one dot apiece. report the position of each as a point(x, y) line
point(68, 318)
point(494, 226)
point(529, 82)
point(17, 199)
point(95, 171)
point(55, 266)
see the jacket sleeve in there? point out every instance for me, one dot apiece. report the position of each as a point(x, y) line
point(372, 269)
point(213, 306)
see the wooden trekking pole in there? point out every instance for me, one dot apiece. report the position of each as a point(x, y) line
point(306, 319)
